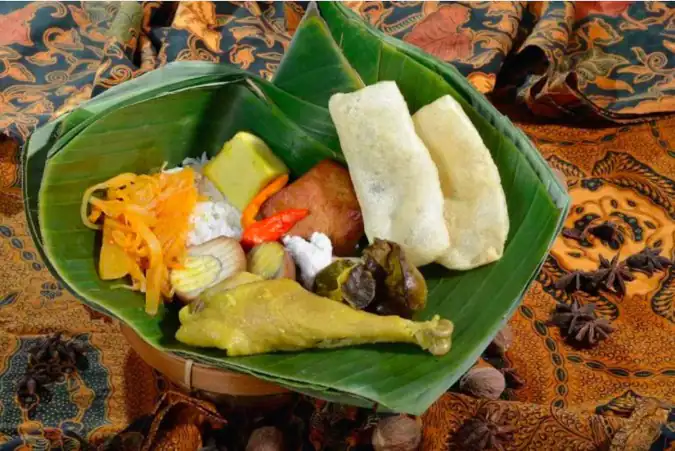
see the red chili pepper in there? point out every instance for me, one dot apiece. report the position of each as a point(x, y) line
point(250, 212)
point(272, 228)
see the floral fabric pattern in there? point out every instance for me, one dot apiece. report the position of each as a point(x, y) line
point(590, 60)
point(559, 58)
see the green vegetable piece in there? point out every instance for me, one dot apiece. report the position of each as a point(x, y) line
point(348, 281)
point(401, 288)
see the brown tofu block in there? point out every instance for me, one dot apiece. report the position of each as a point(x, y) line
point(327, 192)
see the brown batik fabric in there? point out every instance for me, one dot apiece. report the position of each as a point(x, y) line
point(560, 59)
point(612, 60)
point(623, 175)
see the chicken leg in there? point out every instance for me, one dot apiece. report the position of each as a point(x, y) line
point(280, 315)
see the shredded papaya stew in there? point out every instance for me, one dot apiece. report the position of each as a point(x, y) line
point(145, 221)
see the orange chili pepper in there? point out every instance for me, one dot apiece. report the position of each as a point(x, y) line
point(272, 228)
point(252, 209)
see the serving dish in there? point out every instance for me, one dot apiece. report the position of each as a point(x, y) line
point(188, 108)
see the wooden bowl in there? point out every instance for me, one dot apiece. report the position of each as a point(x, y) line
point(215, 383)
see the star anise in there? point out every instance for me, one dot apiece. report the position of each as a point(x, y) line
point(607, 231)
point(613, 275)
point(575, 234)
point(593, 331)
point(568, 316)
point(648, 261)
point(483, 432)
point(575, 281)
point(580, 324)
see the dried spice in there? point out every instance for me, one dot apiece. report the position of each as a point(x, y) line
point(49, 361)
point(484, 432)
point(483, 382)
point(648, 261)
point(501, 343)
point(610, 276)
point(568, 316)
point(577, 281)
point(397, 433)
point(613, 275)
point(266, 438)
point(607, 232)
point(593, 331)
point(580, 324)
point(513, 379)
point(575, 234)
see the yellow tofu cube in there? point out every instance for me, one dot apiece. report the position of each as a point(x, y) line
point(243, 167)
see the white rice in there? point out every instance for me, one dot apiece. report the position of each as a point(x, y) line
point(215, 217)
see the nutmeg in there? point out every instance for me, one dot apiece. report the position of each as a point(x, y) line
point(483, 382)
point(502, 342)
point(266, 438)
point(399, 433)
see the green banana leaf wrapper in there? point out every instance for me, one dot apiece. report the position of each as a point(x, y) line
point(188, 108)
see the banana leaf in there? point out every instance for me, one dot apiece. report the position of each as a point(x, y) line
point(315, 59)
point(185, 109)
point(52, 137)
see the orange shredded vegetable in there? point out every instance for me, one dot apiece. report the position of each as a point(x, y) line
point(148, 217)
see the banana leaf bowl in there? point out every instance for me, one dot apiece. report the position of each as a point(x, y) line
point(187, 108)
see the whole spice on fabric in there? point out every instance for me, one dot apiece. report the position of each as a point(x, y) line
point(397, 433)
point(49, 361)
point(612, 275)
point(648, 261)
point(501, 343)
point(607, 232)
point(267, 438)
point(485, 431)
point(577, 281)
point(575, 234)
point(580, 324)
point(512, 378)
point(483, 382)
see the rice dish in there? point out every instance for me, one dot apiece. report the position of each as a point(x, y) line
point(211, 220)
point(215, 217)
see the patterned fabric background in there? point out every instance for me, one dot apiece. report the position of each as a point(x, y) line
point(582, 61)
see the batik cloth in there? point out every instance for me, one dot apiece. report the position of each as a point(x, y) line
point(580, 62)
